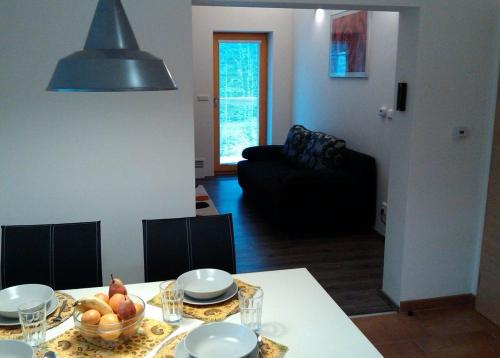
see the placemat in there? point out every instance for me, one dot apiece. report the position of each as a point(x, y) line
point(15, 332)
point(210, 313)
point(269, 348)
point(71, 343)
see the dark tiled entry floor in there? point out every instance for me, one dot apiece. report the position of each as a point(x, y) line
point(349, 267)
point(453, 332)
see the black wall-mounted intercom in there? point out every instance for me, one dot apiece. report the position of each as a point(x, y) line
point(401, 101)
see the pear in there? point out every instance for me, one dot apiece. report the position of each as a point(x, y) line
point(126, 309)
point(116, 286)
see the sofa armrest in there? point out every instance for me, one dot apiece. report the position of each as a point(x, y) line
point(362, 169)
point(263, 152)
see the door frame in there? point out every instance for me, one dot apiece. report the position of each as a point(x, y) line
point(263, 83)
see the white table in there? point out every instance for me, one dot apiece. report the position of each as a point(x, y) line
point(297, 312)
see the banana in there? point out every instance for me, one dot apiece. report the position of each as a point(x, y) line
point(96, 303)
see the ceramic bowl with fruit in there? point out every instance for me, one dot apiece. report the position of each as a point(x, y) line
point(108, 320)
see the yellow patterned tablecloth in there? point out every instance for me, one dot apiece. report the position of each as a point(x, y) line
point(269, 348)
point(71, 343)
point(210, 313)
point(15, 332)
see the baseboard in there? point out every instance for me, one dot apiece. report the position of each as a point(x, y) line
point(438, 302)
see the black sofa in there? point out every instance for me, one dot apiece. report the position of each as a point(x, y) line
point(334, 189)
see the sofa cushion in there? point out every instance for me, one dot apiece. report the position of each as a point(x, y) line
point(295, 143)
point(323, 151)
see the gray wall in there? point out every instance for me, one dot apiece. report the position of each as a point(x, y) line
point(347, 108)
point(279, 23)
point(114, 157)
point(448, 54)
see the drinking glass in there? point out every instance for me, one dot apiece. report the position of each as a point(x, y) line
point(32, 316)
point(172, 295)
point(251, 300)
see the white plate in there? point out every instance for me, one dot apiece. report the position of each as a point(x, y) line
point(4, 321)
point(230, 292)
point(203, 284)
point(221, 339)
point(181, 351)
point(15, 349)
point(11, 298)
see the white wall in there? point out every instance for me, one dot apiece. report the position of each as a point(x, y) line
point(277, 22)
point(114, 157)
point(347, 108)
point(456, 64)
point(450, 61)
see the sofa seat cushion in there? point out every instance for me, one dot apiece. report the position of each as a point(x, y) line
point(323, 151)
point(268, 176)
point(296, 142)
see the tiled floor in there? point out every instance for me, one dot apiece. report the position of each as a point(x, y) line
point(453, 332)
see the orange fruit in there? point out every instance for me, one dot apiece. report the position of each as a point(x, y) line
point(91, 317)
point(103, 297)
point(115, 301)
point(133, 326)
point(109, 327)
point(138, 308)
point(89, 331)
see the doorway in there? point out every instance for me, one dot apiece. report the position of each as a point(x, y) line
point(240, 96)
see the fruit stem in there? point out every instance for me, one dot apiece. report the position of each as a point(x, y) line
point(112, 279)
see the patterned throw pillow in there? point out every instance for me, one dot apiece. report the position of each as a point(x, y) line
point(323, 151)
point(296, 141)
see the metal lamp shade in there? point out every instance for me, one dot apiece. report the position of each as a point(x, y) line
point(111, 60)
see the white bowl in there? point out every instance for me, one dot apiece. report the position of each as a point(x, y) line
point(15, 349)
point(11, 298)
point(221, 339)
point(204, 284)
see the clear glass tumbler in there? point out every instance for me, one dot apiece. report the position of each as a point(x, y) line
point(251, 300)
point(172, 296)
point(32, 316)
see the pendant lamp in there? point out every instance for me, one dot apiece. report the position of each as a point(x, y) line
point(111, 60)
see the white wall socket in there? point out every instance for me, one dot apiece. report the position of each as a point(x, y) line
point(203, 98)
point(382, 112)
point(390, 114)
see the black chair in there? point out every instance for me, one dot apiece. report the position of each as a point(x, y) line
point(174, 246)
point(62, 256)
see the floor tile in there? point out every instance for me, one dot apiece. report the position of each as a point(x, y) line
point(446, 341)
point(454, 332)
point(454, 321)
point(406, 349)
point(390, 328)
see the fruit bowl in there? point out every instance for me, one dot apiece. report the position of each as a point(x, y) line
point(111, 335)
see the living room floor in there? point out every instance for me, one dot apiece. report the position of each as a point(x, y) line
point(348, 266)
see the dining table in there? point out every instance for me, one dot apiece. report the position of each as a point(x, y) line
point(297, 312)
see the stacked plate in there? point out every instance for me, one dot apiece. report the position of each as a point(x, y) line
point(215, 340)
point(221, 339)
point(11, 298)
point(207, 286)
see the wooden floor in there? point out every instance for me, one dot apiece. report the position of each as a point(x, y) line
point(349, 267)
point(452, 332)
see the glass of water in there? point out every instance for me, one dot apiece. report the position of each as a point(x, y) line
point(32, 316)
point(172, 296)
point(251, 300)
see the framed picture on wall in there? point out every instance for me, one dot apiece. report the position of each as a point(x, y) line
point(349, 44)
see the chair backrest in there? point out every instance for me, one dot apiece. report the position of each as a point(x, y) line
point(62, 256)
point(174, 246)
